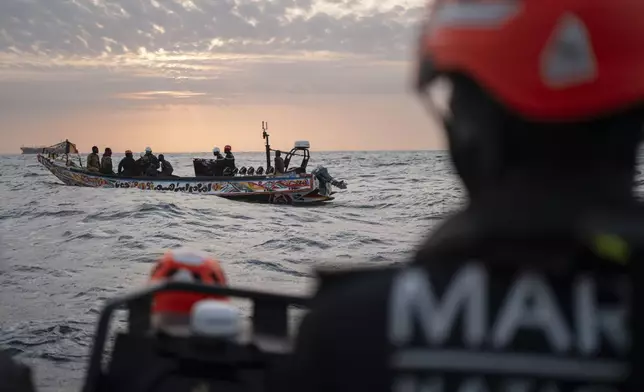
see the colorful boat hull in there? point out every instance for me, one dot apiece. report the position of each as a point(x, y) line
point(284, 189)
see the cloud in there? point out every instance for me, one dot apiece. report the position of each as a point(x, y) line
point(215, 48)
point(61, 59)
point(92, 27)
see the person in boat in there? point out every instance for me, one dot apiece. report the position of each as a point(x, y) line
point(217, 165)
point(166, 167)
point(229, 158)
point(127, 165)
point(154, 161)
point(279, 162)
point(545, 143)
point(217, 153)
point(106, 162)
point(94, 161)
point(146, 169)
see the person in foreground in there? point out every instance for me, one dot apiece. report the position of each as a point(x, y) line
point(531, 285)
point(15, 376)
point(158, 358)
point(171, 311)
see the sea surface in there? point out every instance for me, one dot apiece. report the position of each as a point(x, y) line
point(65, 250)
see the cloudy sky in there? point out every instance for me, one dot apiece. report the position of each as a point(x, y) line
point(185, 75)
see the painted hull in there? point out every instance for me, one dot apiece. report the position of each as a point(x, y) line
point(286, 189)
point(31, 150)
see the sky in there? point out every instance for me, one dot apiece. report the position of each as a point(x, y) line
point(187, 75)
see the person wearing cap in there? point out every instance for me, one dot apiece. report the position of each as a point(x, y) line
point(532, 284)
point(127, 165)
point(106, 162)
point(142, 164)
point(229, 158)
point(217, 153)
point(216, 166)
point(154, 161)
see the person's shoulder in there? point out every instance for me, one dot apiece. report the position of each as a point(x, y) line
point(341, 290)
point(347, 316)
point(14, 375)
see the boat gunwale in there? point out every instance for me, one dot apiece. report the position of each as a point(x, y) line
point(175, 179)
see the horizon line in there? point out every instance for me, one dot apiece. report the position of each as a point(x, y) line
point(262, 151)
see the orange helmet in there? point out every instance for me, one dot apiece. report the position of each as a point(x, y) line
point(185, 265)
point(547, 60)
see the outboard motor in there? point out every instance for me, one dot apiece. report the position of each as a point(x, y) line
point(270, 170)
point(251, 170)
point(259, 171)
point(325, 179)
point(242, 171)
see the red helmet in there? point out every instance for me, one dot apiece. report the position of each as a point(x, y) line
point(227, 148)
point(543, 59)
point(185, 265)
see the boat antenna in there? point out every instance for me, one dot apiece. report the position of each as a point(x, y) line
point(268, 146)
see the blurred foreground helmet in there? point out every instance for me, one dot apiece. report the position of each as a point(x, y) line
point(171, 310)
point(547, 60)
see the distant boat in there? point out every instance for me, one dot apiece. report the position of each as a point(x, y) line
point(32, 150)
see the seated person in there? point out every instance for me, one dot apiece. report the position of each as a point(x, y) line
point(93, 161)
point(229, 159)
point(279, 163)
point(144, 166)
point(127, 165)
point(154, 161)
point(106, 162)
point(217, 153)
point(166, 167)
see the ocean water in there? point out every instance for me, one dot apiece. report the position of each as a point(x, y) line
point(65, 250)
